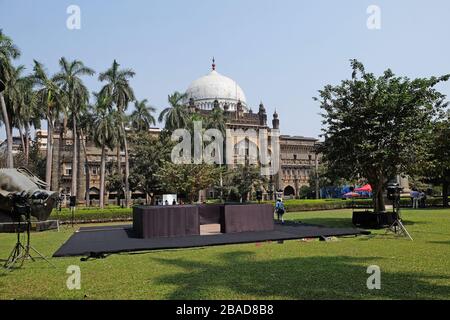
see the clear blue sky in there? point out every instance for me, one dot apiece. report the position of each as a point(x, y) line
point(280, 52)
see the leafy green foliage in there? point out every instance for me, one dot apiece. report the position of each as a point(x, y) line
point(188, 178)
point(241, 180)
point(175, 116)
point(142, 118)
point(437, 169)
point(377, 127)
point(146, 160)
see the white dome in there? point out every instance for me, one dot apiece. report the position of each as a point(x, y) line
point(215, 86)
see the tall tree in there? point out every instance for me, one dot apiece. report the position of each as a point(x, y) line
point(27, 114)
point(142, 116)
point(8, 51)
point(105, 135)
point(119, 89)
point(14, 94)
point(51, 102)
point(175, 116)
point(86, 129)
point(216, 120)
point(146, 158)
point(377, 127)
point(242, 179)
point(437, 169)
point(77, 95)
point(187, 178)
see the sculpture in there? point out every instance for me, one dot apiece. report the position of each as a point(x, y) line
point(22, 182)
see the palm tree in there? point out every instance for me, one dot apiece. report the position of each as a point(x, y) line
point(216, 120)
point(142, 118)
point(27, 114)
point(8, 51)
point(105, 134)
point(118, 88)
point(51, 101)
point(176, 115)
point(70, 83)
point(13, 92)
point(86, 128)
point(21, 104)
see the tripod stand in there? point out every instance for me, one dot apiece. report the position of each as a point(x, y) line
point(21, 252)
point(18, 252)
point(397, 226)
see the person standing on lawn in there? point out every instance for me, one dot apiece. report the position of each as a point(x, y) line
point(280, 210)
point(414, 194)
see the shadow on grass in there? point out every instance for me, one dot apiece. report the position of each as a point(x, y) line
point(319, 277)
point(407, 222)
point(344, 222)
point(327, 222)
point(440, 242)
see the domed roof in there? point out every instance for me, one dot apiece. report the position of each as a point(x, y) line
point(215, 86)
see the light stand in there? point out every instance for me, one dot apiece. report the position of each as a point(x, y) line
point(29, 246)
point(18, 252)
point(21, 252)
point(397, 226)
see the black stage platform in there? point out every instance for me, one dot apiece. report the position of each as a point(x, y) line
point(114, 239)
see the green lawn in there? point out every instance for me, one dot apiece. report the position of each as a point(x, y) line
point(293, 270)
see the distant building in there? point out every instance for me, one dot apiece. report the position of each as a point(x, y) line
point(41, 139)
point(298, 163)
point(62, 164)
point(297, 154)
point(17, 146)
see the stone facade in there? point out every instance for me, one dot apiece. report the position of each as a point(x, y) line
point(246, 128)
point(298, 163)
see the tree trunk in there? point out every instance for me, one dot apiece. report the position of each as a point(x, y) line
point(60, 150)
point(27, 144)
point(22, 139)
point(86, 168)
point(378, 197)
point(9, 139)
point(119, 172)
point(127, 169)
point(48, 164)
point(102, 178)
point(445, 186)
point(74, 157)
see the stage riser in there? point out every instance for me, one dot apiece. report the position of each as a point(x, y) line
point(173, 221)
point(165, 221)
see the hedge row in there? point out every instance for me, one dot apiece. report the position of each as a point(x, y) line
point(116, 213)
point(330, 204)
point(84, 214)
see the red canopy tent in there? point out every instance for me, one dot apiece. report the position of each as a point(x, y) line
point(366, 188)
point(351, 195)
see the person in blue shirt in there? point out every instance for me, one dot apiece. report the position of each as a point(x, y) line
point(280, 210)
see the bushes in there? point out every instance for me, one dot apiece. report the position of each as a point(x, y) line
point(330, 204)
point(91, 214)
point(116, 213)
point(323, 204)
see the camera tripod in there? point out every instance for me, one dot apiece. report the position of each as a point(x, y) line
point(397, 226)
point(20, 252)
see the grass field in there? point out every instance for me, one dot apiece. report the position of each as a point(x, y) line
point(418, 269)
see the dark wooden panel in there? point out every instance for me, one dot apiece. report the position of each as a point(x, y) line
point(251, 217)
point(210, 213)
point(165, 221)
